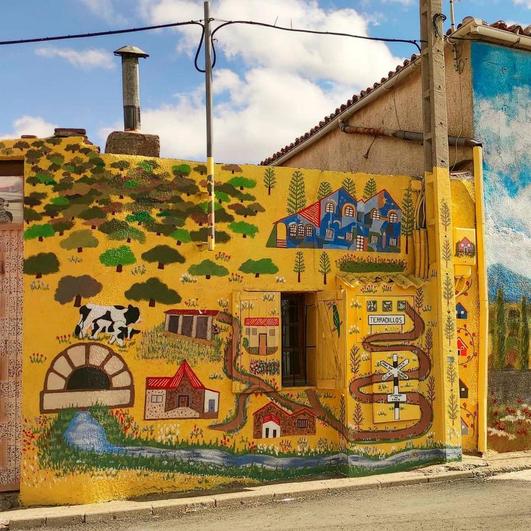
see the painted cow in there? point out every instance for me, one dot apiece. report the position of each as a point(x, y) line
point(116, 321)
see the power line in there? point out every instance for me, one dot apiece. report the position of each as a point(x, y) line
point(100, 33)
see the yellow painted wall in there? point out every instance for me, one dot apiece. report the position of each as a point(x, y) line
point(55, 471)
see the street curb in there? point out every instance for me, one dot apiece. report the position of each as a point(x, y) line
point(53, 517)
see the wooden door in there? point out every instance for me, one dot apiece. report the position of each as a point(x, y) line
point(11, 256)
point(262, 344)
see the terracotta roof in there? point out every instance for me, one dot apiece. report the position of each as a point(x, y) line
point(515, 28)
point(172, 382)
point(261, 321)
point(191, 312)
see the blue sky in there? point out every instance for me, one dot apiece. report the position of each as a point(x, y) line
point(270, 87)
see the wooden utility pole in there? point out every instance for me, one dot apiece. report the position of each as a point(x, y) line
point(447, 418)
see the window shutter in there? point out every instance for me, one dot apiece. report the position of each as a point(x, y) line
point(259, 354)
point(331, 338)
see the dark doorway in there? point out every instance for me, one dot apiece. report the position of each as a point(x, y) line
point(293, 340)
point(88, 379)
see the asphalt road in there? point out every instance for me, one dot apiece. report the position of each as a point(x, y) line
point(500, 502)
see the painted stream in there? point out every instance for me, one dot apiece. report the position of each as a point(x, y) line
point(85, 433)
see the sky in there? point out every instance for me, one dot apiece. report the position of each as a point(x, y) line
point(269, 86)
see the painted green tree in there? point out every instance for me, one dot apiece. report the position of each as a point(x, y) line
point(141, 217)
point(298, 266)
point(242, 182)
point(181, 236)
point(208, 269)
point(163, 255)
point(41, 264)
point(324, 265)
point(500, 331)
point(74, 289)
point(325, 189)
point(370, 189)
point(39, 232)
point(270, 179)
point(408, 216)
point(264, 266)
point(245, 229)
point(118, 257)
point(523, 339)
point(79, 240)
point(296, 193)
point(128, 233)
point(153, 290)
point(350, 186)
point(31, 215)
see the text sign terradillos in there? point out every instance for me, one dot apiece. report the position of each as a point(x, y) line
point(387, 319)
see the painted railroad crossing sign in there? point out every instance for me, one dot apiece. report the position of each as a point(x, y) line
point(395, 372)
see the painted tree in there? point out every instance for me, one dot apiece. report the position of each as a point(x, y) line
point(181, 170)
point(350, 186)
point(264, 266)
point(500, 330)
point(41, 264)
point(240, 210)
point(419, 299)
point(39, 232)
point(128, 234)
point(34, 199)
point(245, 229)
point(142, 218)
point(355, 359)
point(446, 217)
point(242, 182)
point(201, 169)
point(31, 215)
point(74, 289)
point(408, 216)
point(357, 416)
point(430, 390)
point(370, 189)
point(448, 288)
point(93, 214)
point(201, 235)
point(118, 257)
point(523, 336)
point(163, 255)
point(298, 266)
point(325, 189)
point(79, 239)
point(296, 193)
point(181, 236)
point(447, 252)
point(324, 265)
point(270, 179)
point(208, 269)
point(153, 290)
point(233, 168)
point(449, 328)
point(428, 341)
point(453, 408)
point(61, 225)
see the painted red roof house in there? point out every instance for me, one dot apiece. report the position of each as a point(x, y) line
point(271, 421)
point(462, 348)
point(182, 395)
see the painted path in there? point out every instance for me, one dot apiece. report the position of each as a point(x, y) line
point(86, 433)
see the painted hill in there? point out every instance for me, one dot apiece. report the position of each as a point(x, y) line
point(514, 285)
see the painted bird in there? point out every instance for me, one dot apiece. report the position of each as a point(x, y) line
point(337, 322)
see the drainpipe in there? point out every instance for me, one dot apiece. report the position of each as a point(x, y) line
point(411, 136)
point(130, 85)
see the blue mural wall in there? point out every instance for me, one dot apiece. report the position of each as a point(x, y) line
point(501, 80)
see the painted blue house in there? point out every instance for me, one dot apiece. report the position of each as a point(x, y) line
point(339, 221)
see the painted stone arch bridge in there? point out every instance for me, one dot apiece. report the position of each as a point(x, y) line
point(84, 375)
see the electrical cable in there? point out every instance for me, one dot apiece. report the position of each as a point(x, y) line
point(100, 33)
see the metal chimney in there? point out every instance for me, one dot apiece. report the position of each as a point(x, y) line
point(130, 85)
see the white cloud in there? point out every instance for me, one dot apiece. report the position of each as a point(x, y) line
point(281, 83)
point(30, 125)
point(104, 9)
point(84, 59)
point(524, 3)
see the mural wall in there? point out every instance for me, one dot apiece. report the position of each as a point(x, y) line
point(502, 91)
point(278, 355)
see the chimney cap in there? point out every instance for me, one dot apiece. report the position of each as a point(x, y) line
point(131, 51)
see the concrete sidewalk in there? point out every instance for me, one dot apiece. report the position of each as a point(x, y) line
point(170, 507)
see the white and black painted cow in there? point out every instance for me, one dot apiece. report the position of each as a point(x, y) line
point(116, 321)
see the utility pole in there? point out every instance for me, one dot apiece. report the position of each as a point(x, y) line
point(437, 191)
point(210, 158)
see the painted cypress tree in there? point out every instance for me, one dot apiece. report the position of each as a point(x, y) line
point(446, 217)
point(408, 216)
point(298, 266)
point(270, 179)
point(324, 265)
point(296, 193)
point(370, 189)
point(500, 330)
point(349, 185)
point(324, 189)
point(523, 343)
